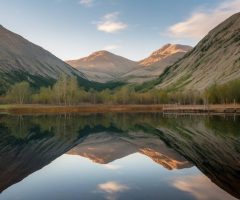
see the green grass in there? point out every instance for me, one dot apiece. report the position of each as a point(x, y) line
point(6, 106)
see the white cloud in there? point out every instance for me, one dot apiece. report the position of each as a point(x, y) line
point(201, 22)
point(111, 24)
point(86, 3)
point(111, 47)
point(200, 187)
point(111, 166)
point(112, 187)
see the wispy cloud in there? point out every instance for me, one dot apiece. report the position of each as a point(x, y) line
point(87, 3)
point(202, 21)
point(112, 166)
point(111, 24)
point(112, 187)
point(200, 187)
point(111, 47)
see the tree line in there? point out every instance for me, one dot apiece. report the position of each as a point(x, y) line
point(66, 91)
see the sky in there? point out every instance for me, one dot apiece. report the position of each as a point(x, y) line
point(71, 29)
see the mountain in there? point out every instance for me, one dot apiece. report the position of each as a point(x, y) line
point(210, 144)
point(157, 62)
point(29, 144)
point(169, 53)
point(215, 59)
point(103, 66)
point(30, 147)
point(105, 147)
point(22, 60)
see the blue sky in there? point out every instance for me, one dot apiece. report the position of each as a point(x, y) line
point(72, 29)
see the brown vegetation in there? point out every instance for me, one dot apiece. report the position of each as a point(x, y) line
point(41, 109)
point(102, 108)
point(217, 108)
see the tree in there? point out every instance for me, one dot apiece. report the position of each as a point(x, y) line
point(19, 93)
point(72, 91)
point(60, 90)
point(45, 96)
point(93, 95)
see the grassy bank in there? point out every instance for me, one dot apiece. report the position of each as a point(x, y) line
point(104, 108)
point(89, 108)
point(215, 108)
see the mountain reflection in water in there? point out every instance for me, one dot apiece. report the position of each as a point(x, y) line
point(122, 142)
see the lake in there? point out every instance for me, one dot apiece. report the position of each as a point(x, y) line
point(119, 156)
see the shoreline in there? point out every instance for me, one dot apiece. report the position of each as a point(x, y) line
point(105, 108)
point(205, 109)
point(88, 108)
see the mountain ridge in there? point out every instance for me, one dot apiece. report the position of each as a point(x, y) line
point(16, 47)
point(105, 66)
point(157, 62)
point(104, 148)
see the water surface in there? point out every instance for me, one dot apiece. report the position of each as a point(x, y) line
point(119, 156)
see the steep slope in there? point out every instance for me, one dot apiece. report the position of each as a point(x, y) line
point(22, 60)
point(157, 62)
point(103, 66)
point(216, 59)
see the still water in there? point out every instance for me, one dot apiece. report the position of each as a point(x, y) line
point(119, 156)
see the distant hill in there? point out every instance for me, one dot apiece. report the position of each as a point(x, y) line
point(103, 66)
point(215, 59)
point(157, 62)
point(22, 60)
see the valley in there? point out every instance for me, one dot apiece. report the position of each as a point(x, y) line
point(175, 74)
point(120, 100)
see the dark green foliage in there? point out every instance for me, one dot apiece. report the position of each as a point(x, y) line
point(38, 81)
point(102, 86)
point(66, 91)
point(35, 81)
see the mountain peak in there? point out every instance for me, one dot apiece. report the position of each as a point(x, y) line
point(164, 52)
point(171, 49)
point(101, 53)
point(103, 65)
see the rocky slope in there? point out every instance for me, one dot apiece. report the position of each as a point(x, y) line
point(157, 62)
point(215, 59)
point(103, 66)
point(22, 60)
